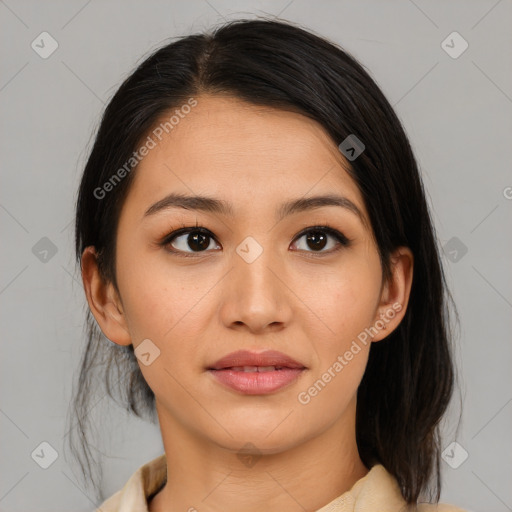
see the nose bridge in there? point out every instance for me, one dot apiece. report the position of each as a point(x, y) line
point(255, 264)
point(256, 295)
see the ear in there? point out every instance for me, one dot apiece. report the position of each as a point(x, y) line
point(395, 294)
point(104, 302)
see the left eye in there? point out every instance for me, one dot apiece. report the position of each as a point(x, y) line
point(317, 238)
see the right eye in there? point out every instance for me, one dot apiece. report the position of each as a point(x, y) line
point(197, 239)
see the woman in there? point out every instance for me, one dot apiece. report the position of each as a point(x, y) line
point(255, 243)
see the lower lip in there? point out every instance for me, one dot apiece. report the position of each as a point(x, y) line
point(257, 383)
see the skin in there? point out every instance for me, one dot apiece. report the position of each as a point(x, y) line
point(306, 302)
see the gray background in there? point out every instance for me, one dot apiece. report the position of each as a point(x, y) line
point(457, 113)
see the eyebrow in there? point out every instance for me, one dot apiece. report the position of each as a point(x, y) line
point(219, 206)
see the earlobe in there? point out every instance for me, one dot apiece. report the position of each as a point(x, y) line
point(103, 300)
point(395, 293)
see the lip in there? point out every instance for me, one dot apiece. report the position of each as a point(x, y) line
point(256, 382)
point(248, 358)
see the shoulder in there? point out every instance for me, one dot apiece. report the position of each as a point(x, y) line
point(111, 504)
point(379, 486)
point(440, 507)
point(133, 496)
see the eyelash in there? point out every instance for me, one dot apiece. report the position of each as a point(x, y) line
point(325, 228)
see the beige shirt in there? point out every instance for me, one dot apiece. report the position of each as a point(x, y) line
point(378, 491)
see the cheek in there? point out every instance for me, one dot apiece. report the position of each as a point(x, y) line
point(342, 302)
point(163, 303)
point(325, 396)
point(342, 347)
point(166, 310)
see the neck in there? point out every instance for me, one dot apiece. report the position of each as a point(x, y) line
point(204, 476)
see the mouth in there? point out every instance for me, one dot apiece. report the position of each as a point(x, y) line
point(256, 373)
point(252, 369)
point(245, 360)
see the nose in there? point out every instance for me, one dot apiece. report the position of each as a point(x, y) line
point(256, 296)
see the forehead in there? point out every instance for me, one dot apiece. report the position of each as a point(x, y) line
point(246, 154)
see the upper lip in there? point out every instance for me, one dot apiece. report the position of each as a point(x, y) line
point(247, 358)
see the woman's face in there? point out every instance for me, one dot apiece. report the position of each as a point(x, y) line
point(253, 281)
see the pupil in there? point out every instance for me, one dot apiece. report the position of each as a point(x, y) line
point(200, 239)
point(315, 237)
